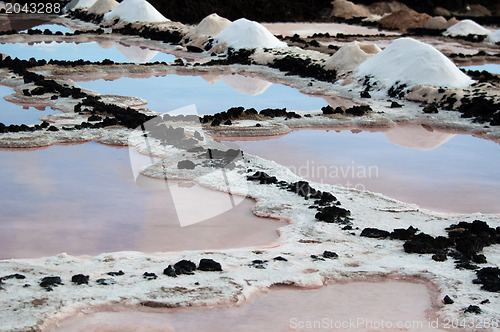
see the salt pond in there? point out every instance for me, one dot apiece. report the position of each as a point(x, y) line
point(352, 306)
point(210, 93)
point(83, 200)
point(492, 68)
point(14, 114)
point(435, 170)
point(89, 51)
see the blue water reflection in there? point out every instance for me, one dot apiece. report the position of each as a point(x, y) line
point(91, 51)
point(210, 94)
point(492, 68)
point(14, 114)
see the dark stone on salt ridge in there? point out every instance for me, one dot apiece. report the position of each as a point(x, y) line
point(466, 265)
point(280, 258)
point(485, 301)
point(347, 228)
point(317, 258)
point(169, 271)
point(439, 257)
point(332, 214)
point(258, 264)
point(327, 109)
point(80, 279)
point(114, 274)
point(13, 276)
point(479, 259)
point(215, 123)
point(209, 265)
point(263, 178)
point(52, 128)
point(186, 164)
point(48, 282)
point(258, 125)
point(448, 300)
point(374, 233)
point(489, 277)
point(105, 281)
point(228, 123)
point(149, 276)
point(431, 108)
point(365, 94)
point(396, 105)
point(194, 49)
point(473, 309)
point(45, 124)
point(94, 117)
point(330, 254)
point(403, 234)
point(358, 110)
point(184, 267)
point(423, 244)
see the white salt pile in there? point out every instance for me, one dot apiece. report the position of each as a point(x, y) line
point(131, 11)
point(465, 28)
point(412, 62)
point(351, 55)
point(79, 4)
point(103, 6)
point(247, 34)
point(207, 28)
point(494, 37)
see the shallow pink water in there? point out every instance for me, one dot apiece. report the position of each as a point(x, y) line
point(435, 170)
point(83, 200)
point(352, 306)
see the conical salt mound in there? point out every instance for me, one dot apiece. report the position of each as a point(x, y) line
point(409, 61)
point(79, 4)
point(494, 37)
point(351, 55)
point(103, 6)
point(131, 11)
point(247, 34)
point(207, 28)
point(465, 28)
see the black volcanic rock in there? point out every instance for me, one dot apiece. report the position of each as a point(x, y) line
point(49, 282)
point(374, 233)
point(80, 279)
point(209, 265)
point(170, 271)
point(184, 267)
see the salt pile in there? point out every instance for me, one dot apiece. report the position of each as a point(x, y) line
point(465, 28)
point(247, 34)
point(494, 37)
point(103, 6)
point(131, 11)
point(409, 61)
point(207, 28)
point(351, 55)
point(79, 4)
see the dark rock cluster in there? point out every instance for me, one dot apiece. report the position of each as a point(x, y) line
point(304, 68)
point(353, 111)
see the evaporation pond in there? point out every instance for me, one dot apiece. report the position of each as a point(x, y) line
point(352, 306)
point(492, 68)
point(14, 114)
point(210, 93)
point(90, 51)
point(84, 199)
point(435, 170)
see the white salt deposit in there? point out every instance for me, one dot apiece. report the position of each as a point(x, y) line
point(410, 61)
point(351, 55)
point(79, 4)
point(103, 6)
point(465, 28)
point(247, 34)
point(494, 37)
point(207, 28)
point(135, 11)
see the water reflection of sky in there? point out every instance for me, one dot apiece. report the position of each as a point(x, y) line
point(83, 199)
point(91, 51)
point(52, 27)
point(170, 92)
point(14, 114)
point(493, 68)
point(460, 175)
